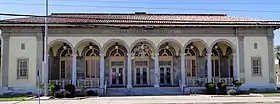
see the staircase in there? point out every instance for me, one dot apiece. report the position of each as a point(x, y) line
point(142, 91)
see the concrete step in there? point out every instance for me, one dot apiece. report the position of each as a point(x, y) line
point(143, 91)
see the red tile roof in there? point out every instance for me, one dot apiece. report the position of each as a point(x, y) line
point(142, 19)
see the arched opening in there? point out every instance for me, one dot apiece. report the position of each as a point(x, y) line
point(88, 65)
point(116, 56)
point(195, 64)
point(60, 64)
point(141, 54)
point(222, 63)
point(167, 56)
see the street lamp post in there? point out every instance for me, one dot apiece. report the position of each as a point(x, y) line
point(45, 62)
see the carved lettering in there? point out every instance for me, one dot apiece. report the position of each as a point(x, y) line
point(144, 32)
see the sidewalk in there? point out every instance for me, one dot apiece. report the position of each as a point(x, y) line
point(159, 100)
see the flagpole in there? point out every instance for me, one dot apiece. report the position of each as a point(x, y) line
point(45, 63)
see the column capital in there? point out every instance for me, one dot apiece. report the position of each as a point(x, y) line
point(5, 37)
point(183, 53)
point(101, 54)
point(129, 54)
point(240, 37)
point(209, 53)
point(74, 55)
point(156, 54)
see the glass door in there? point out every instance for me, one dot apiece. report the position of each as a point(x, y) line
point(141, 76)
point(165, 76)
point(117, 76)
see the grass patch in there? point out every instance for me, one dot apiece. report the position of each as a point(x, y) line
point(13, 98)
point(267, 94)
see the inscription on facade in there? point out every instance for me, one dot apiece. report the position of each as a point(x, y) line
point(144, 32)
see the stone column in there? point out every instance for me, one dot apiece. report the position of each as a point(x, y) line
point(102, 71)
point(5, 60)
point(156, 70)
point(74, 69)
point(234, 64)
point(39, 58)
point(241, 58)
point(183, 70)
point(129, 71)
point(209, 67)
point(270, 48)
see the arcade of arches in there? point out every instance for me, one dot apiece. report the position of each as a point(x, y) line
point(142, 64)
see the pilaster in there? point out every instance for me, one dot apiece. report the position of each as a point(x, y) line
point(241, 58)
point(270, 46)
point(5, 60)
point(39, 58)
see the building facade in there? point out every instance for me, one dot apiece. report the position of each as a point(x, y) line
point(130, 51)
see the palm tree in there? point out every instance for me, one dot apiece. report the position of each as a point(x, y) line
point(277, 54)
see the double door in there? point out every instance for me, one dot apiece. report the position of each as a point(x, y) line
point(117, 74)
point(165, 76)
point(141, 76)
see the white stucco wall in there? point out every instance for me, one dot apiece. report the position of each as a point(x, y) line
point(15, 52)
point(262, 52)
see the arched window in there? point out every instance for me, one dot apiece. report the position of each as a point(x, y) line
point(117, 52)
point(215, 62)
point(191, 54)
point(65, 62)
point(92, 62)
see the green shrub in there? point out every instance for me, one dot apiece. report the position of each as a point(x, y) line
point(82, 87)
point(222, 86)
point(70, 88)
point(91, 93)
point(67, 94)
point(210, 88)
point(231, 92)
point(53, 89)
point(237, 83)
point(58, 94)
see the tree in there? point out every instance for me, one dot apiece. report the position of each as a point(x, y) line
point(277, 54)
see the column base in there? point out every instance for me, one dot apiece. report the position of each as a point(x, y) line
point(156, 85)
point(129, 86)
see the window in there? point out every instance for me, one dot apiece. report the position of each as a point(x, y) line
point(255, 45)
point(22, 69)
point(22, 46)
point(256, 66)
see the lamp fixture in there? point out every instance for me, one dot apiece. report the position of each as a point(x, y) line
point(64, 47)
point(191, 47)
point(116, 46)
point(90, 47)
point(216, 47)
point(167, 47)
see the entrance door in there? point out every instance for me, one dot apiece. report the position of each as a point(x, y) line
point(141, 76)
point(117, 73)
point(165, 76)
point(141, 73)
point(117, 76)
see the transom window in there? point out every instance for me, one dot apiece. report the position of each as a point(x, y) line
point(22, 69)
point(141, 50)
point(92, 51)
point(165, 52)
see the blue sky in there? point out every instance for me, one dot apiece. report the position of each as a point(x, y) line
point(271, 7)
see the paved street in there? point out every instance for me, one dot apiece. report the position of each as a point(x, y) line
point(159, 100)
